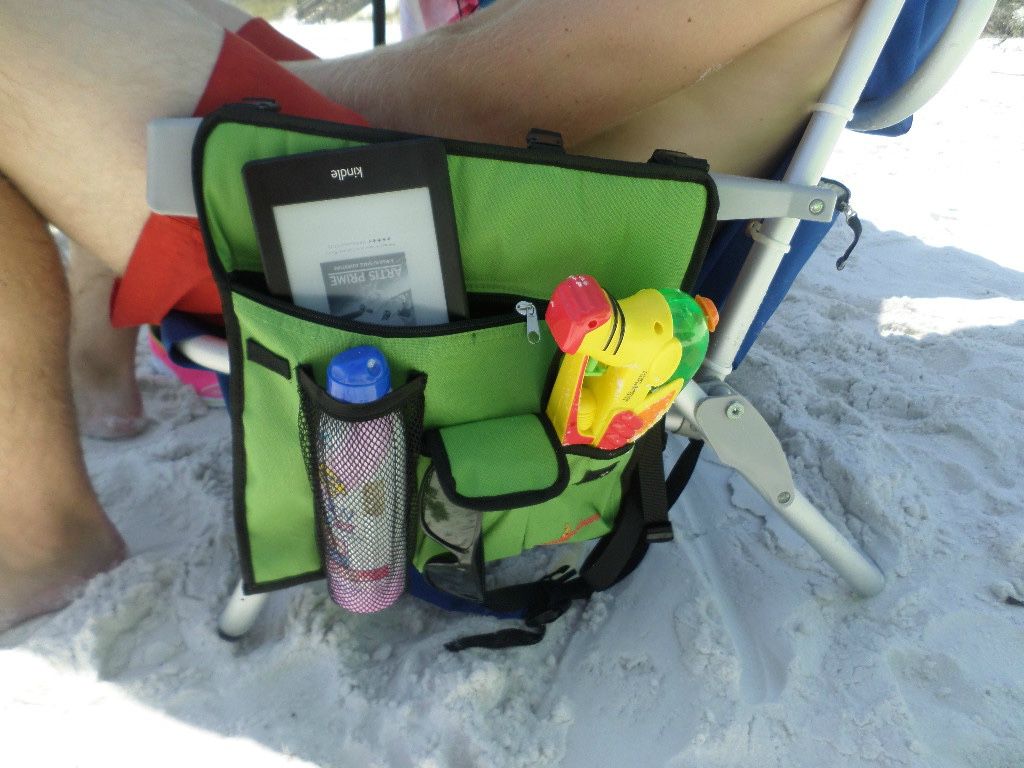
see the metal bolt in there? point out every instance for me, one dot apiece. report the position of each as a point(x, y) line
point(817, 206)
point(784, 498)
point(735, 409)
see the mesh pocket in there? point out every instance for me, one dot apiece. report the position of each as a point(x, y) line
point(360, 460)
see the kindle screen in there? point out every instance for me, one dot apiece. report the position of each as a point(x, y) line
point(352, 256)
point(367, 233)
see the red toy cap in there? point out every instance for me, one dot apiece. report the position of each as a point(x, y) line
point(578, 306)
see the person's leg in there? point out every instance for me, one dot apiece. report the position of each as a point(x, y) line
point(742, 116)
point(228, 16)
point(103, 357)
point(98, 74)
point(107, 397)
point(580, 67)
point(53, 533)
point(73, 117)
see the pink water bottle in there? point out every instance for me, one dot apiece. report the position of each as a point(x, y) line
point(363, 486)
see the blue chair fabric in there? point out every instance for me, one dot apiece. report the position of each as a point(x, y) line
point(914, 35)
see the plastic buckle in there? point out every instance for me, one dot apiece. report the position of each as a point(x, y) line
point(655, 532)
point(538, 138)
point(679, 160)
point(548, 615)
point(554, 606)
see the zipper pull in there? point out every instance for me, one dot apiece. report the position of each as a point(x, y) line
point(527, 310)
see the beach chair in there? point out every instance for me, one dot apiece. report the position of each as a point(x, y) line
point(769, 230)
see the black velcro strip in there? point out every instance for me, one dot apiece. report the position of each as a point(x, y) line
point(260, 355)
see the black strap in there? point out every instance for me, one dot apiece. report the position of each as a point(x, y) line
point(544, 601)
point(505, 638)
point(650, 472)
point(618, 553)
point(642, 518)
point(537, 597)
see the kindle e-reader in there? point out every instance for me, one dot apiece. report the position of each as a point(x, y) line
point(366, 233)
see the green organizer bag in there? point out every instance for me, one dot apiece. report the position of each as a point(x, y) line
point(476, 389)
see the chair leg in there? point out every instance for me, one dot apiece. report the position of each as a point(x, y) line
point(858, 571)
point(239, 614)
point(730, 424)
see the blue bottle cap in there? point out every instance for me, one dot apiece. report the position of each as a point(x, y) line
point(358, 375)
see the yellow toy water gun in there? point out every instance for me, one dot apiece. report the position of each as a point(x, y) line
point(625, 361)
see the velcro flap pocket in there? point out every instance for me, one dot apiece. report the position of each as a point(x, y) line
point(499, 464)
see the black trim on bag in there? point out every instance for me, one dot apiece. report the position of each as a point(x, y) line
point(370, 329)
point(389, 403)
point(236, 399)
point(236, 396)
point(263, 587)
point(596, 474)
point(260, 355)
point(247, 115)
point(433, 446)
point(590, 452)
point(671, 158)
point(704, 237)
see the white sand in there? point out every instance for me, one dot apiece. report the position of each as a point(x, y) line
point(895, 387)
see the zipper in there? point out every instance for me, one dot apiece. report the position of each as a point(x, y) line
point(406, 331)
point(529, 311)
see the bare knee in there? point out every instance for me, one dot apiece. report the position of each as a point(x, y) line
point(78, 84)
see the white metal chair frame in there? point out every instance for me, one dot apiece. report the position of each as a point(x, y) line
point(708, 408)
